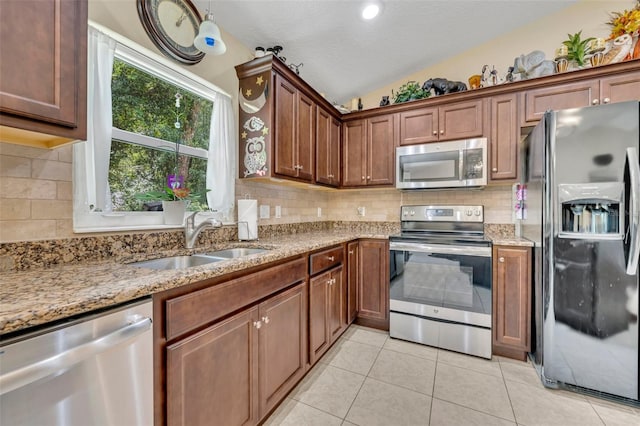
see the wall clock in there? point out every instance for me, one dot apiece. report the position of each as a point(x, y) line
point(172, 25)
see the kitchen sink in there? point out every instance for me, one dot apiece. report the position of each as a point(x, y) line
point(177, 262)
point(234, 253)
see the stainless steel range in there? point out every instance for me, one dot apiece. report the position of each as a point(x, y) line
point(440, 279)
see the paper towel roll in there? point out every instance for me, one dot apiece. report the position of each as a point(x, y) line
point(247, 220)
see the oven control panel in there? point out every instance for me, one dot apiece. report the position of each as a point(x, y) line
point(442, 213)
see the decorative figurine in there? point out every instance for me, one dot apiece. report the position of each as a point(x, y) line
point(443, 86)
point(533, 65)
point(385, 101)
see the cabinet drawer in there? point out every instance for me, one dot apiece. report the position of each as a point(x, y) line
point(195, 309)
point(326, 259)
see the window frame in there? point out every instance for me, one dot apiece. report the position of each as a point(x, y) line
point(85, 221)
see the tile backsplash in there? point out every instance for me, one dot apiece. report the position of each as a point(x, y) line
point(36, 198)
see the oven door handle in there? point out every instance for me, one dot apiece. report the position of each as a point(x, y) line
point(441, 249)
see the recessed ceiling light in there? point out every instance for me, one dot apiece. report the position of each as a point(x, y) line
point(371, 10)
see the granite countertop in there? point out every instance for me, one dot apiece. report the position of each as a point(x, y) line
point(35, 297)
point(510, 241)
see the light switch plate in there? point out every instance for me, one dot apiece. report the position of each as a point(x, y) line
point(264, 211)
point(278, 212)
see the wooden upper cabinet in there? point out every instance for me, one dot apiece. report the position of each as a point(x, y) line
point(380, 150)
point(419, 126)
point(43, 88)
point(354, 151)
point(369, 151)
point(306, 118)
point(460, 120)
point(285, 128)
point(566, 95)
point(604, 90)
point(294, 131)
point(620, 88)
point(511, 301)
point(327, 148)
point(503, 144)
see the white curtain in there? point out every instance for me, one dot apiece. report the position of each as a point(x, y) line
point(221, 164)
point(91, 158)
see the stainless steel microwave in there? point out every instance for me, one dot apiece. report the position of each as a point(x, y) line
point(452, 164)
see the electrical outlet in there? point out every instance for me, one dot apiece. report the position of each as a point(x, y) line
point(278, 212)
point(319, 211)
point(264, 211)
point(361, 211)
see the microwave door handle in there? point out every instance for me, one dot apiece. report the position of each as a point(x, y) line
point(634, 210)
point(461, 165)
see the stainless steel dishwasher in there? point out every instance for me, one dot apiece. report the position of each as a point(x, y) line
point(97, 370)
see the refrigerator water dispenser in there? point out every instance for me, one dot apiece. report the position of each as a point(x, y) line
point(591, 210)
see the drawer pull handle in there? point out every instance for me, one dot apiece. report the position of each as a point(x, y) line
point(595, 101)
point(257, 324)
point(501, 260)
point(265, 320)
point(495, 169)
point(329, 282)
point(435, 133)
point(442, 132)
point(606, 100)
point(331, 258)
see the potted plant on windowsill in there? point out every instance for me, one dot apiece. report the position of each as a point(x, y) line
point(175, 199)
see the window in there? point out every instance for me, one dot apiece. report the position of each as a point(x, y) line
point(151, 123)
point(159, 130)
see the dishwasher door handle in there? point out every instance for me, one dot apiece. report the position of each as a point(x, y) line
point(63, 361)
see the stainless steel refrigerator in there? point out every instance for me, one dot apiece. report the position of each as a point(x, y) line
point(581, 170)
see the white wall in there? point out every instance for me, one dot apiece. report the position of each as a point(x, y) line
point(547, 34)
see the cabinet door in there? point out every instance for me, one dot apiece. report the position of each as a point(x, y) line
point(43, 87)
point(352, 281)
point(319, 339)
point(503, 145)
point(511, 301)
point(373, 294)
point(337, 304)
point(212, 375)
point(334, 152)
point(354, 153)
point(284, 133)
point(419, 126)
point(323, 146)
point(305, 142)
point(566, 95)
point(283, 345)
point(380, 150)
point(620, 88)
point(461, 120)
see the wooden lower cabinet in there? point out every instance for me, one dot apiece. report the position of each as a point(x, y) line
point(212, 377)
point(373, 285)
point(327, 311)
point(353, 280)
point(282, 359)
point(511, 301)
point(236, 371)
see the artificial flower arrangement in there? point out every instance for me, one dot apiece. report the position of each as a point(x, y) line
point(627, 22)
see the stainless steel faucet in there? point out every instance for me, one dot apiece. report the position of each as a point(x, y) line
point(191, 231)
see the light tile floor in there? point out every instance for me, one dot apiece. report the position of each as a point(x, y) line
point(367, 378)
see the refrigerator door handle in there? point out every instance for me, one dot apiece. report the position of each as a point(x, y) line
point(634, 210)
